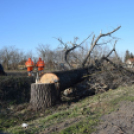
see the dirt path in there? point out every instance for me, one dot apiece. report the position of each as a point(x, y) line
point(119, 122)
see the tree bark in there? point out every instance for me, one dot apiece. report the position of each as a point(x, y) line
point(43, 95)
point(66, 79)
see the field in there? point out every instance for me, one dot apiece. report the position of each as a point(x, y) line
point(85, 115)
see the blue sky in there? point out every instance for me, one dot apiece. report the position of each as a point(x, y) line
point(27, 23)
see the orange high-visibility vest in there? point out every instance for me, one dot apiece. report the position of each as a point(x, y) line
point(29, 64)
point(40, 64)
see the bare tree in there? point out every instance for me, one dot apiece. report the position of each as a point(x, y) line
point(43, 50)
point(68, 48)
point(16, 56)
point(94, 42)
point(29, 54)
point(46, 54)
point(6, 53)
point(10, 57)
point(6, 57)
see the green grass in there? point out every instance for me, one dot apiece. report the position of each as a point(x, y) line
point(85, 126)
point(87, 110)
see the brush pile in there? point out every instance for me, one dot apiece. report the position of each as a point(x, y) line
point(106, 77)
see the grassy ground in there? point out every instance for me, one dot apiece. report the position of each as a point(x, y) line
point(77, 118)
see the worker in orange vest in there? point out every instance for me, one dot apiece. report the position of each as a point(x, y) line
point(40, 64)
point(29, 64)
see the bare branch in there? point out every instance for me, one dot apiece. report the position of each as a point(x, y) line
point(116, 52)
point(74, 46)
point(94, 43)
point(104, 43)
point(67, 52)
point(111, 50)
point(85, 39)
point(64, 44)
point(92, 39)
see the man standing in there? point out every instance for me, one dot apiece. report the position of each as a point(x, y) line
point(29, 64)
point(40, 64)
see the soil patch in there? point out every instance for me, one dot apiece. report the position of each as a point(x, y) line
point(62, 125)
point(118, 122)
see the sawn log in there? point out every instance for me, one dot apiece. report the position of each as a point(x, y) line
point(66, 79)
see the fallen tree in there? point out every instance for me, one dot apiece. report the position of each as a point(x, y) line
point(66, 79)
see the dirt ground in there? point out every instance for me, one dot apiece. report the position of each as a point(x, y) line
point(119, 122)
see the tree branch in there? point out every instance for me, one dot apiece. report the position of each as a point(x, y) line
point(94, 43)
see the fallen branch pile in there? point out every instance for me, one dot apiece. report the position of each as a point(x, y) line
point(102, 80)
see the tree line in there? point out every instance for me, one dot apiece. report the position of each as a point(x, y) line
point(71, 53)
point(11, 57)
point(128, 55)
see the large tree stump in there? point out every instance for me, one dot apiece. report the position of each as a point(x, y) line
point(43, 95)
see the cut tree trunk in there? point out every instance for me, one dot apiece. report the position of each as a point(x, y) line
point(43, 95)
point(46, 92)
point(65, 79)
